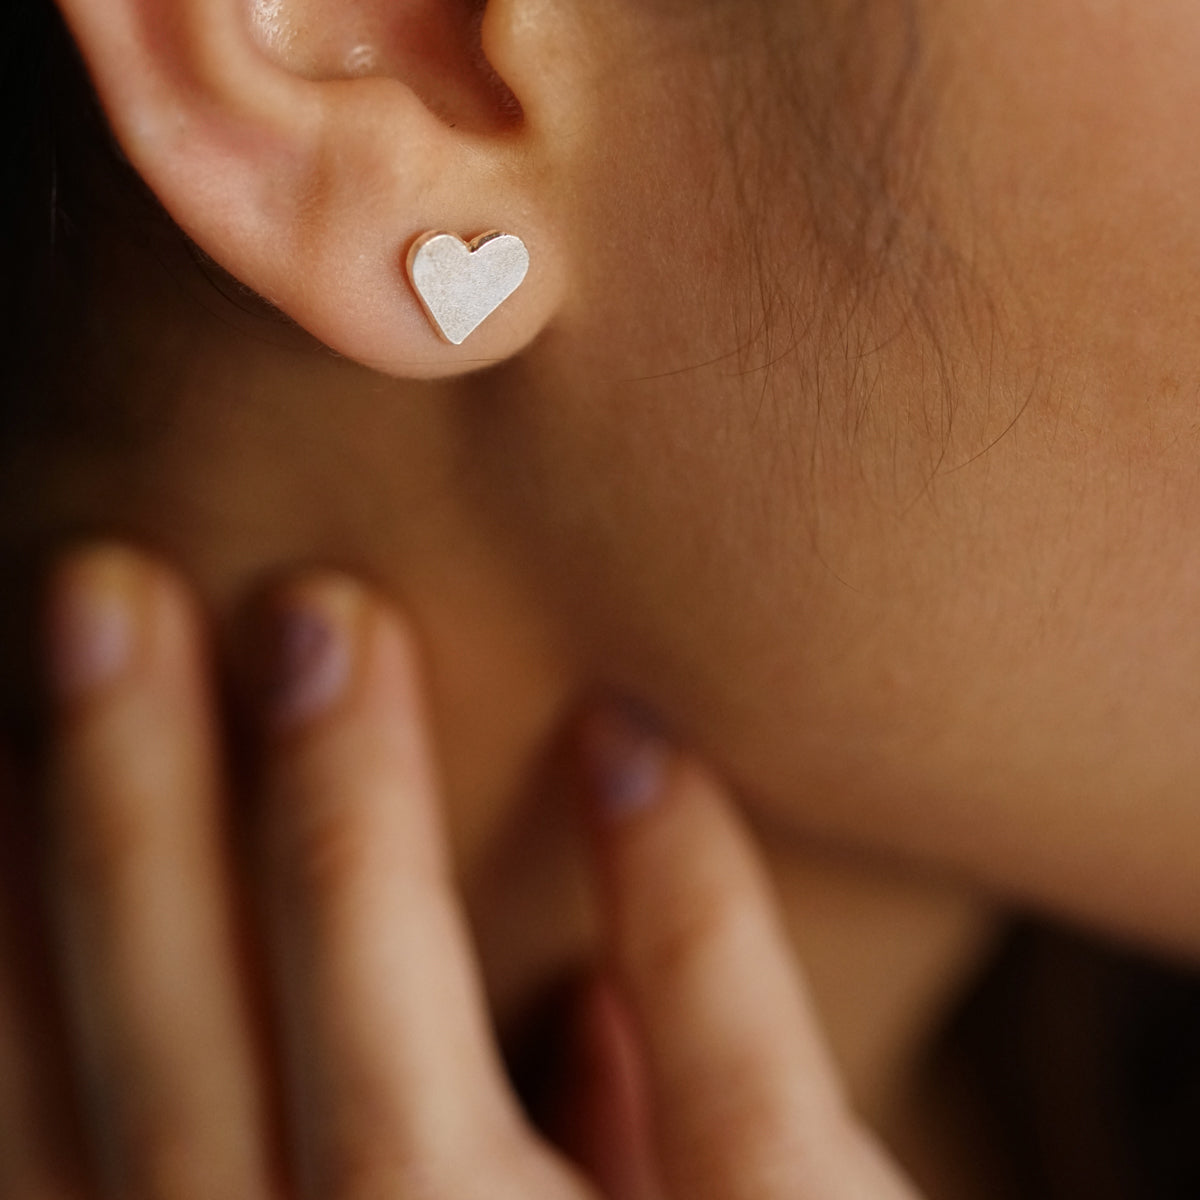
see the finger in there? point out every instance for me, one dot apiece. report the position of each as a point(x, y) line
point(391, 1061)
point(41, 1147)
point(603, 1121)
point(143, 895)
point(745, 1097)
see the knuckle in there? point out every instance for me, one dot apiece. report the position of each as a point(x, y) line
point(324, 847)
point(161, 1163)
point(776, 1152)
point(107, 807)
point(377, 1171)
point(415, 1164)
point(101, 833)
point(742, 1121)
point(692, 924)
point(165, 1156)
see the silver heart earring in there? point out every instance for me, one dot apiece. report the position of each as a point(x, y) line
point(460, 284)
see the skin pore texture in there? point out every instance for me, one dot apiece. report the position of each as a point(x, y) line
point(883, 507)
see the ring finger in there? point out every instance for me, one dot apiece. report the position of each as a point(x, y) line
point(142, 890)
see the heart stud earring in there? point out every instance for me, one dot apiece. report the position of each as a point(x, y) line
point(460, 284)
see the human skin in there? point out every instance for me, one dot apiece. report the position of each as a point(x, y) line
point(906, 555)
point(342, 1047)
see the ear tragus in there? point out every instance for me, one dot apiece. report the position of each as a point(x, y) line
point(306, 145)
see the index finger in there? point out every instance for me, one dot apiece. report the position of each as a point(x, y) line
point(746, 1098)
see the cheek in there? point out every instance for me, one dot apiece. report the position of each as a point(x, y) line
point(1067, 158)
point(654, 524)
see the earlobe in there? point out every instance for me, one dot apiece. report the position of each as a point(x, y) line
point(312, 153)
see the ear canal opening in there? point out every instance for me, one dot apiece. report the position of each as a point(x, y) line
point(434, 47)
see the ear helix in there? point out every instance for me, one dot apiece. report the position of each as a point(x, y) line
point(460, 284)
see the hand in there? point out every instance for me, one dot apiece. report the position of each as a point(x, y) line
point(151, 1049)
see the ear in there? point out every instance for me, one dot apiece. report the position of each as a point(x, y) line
point(308, 145)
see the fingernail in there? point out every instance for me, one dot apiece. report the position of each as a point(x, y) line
point(625, 761)
point(91, 623)
point(308, 657)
